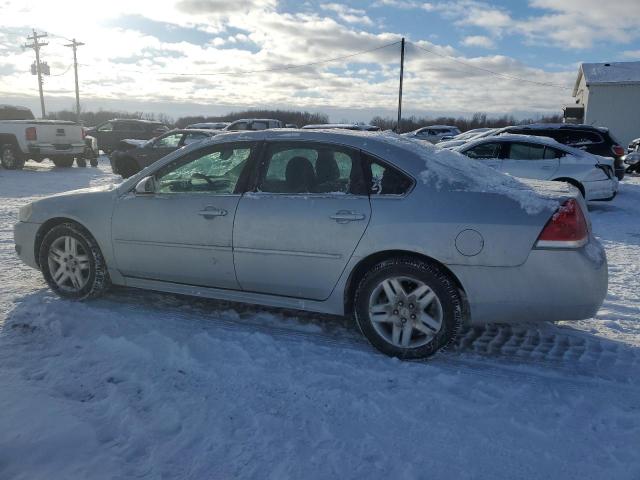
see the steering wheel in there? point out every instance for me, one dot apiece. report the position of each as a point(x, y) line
point(202, 176)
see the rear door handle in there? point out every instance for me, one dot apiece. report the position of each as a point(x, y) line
point(212, 212)
point(344, 216)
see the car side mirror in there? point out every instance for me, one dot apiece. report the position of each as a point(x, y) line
point(146, 186)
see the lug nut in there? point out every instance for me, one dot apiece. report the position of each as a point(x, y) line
point(395, 312)
point(400, 304)
point(403, 320)
point(413, 317)
point(411, 306)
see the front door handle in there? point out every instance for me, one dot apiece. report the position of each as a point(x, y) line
point(344, 216)
point(212, 212)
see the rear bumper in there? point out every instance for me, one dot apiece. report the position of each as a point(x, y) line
point(24, 236)
point(551, 285)
point(49, 150)
point(600, 189)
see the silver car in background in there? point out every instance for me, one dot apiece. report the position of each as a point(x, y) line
point(414, 242)
point(543, 158)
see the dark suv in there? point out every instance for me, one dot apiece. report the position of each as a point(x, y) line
point(595, 140)
point(109, 134)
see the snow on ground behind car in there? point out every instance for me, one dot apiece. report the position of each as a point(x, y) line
point(147, 384)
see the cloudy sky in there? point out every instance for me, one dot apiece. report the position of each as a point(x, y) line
point(193, 56)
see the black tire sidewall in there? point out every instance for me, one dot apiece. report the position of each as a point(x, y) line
point(18, 160)
point(87, 244)
point(442, 286)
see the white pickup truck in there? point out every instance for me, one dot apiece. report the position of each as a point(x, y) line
point(24, 138)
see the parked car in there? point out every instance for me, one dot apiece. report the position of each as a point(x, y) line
point(634, 145)
point(545, 159)
point(595, 140)
point(23, 138)
point(632, 160)
point(433, 133)
point(343, 126)
point(209, 125)
point(134, 155)
point(254, 124)
point(109, 134)
point(414, 243)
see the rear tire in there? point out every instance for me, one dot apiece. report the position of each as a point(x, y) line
point(64, 162)
point(72, 263)
point(408, 308)
point(11, 159)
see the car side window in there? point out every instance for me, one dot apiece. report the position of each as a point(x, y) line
point(384, 179)
point(580, 138)
point(216, 171)
point(489, 150)
point(239, 126)
point(525, 151)
point(293, 169)
point(550, 153)
point(106, 127)
point(259, 126)
point(170, 141)
point(190, 138)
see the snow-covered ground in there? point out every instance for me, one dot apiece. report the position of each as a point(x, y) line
point(148, 385)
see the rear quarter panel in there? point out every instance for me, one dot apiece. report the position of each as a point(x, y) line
point(429, 220)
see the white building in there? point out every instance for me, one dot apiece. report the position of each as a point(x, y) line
point(608, 95)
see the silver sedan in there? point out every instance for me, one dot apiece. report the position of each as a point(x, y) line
point(414, 242)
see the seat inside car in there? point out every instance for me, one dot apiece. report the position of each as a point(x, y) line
point(300, 176)
point(327, 173)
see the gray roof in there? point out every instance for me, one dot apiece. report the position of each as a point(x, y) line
point(609, 72)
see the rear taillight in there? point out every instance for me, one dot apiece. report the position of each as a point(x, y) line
point(617, 150)
point(30, 134)
point(567, 228)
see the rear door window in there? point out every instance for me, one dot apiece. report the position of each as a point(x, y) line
point(525, 151)
point(489, 150)
point(309, 169)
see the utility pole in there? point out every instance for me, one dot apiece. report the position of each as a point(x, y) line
point(36, 46)
point(75, 46)
point(398, 129)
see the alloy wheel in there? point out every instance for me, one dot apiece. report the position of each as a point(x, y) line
point(405, 312)
point(69, 264)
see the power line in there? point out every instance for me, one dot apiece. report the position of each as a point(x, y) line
point(492, 72)
point(63, 73)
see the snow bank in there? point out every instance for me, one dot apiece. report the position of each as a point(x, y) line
point(444, 167)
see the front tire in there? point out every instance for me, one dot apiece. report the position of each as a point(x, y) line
point(408, 308)
point(64, 162)
point(72, 263)
point(11, 159)
point(81, 162)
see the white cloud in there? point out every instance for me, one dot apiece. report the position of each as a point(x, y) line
point(348, 14)
point(478, 41)
point(132, 66)
point(631, 54)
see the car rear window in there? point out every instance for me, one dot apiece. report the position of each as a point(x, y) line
point(384, 179)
